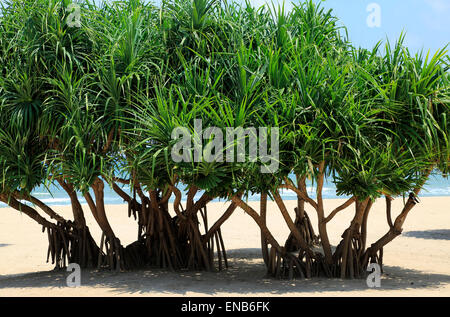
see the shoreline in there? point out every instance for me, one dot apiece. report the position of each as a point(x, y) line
point(417, 263)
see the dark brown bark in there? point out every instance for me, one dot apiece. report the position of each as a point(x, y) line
point(30, 212)
point(92, 207)
point(127, 198)
point(347, 255)
point(58, 237)
point(201, 203)
point(301, 183)
point(302, 221)
point(364, 225)
point(114, 257)
point(396, 228)
point(280, 262)
point(177, 203)
point(294, 230)
point(345, 205)
point(394, 231)
point(263, 214)
point(302, 194)
point(77, 210)
point(49, 211)
point(321, 216)
point(98, 186)
point(389, 211)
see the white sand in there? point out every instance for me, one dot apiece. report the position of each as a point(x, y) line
point(416, 263)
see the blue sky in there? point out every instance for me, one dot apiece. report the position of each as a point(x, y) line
point(426, 22)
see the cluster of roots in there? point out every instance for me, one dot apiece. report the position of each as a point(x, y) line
point(350, 259)
point(164, 241)
point(177, 244)
point(68, 244)
point(187, 241)
point(173, 242)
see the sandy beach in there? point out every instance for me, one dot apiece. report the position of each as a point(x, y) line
point(416, 264)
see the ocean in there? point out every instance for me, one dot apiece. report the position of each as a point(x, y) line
point(436, 186)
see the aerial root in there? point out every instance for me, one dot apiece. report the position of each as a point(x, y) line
point(306, 230)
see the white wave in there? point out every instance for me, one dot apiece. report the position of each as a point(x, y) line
point(41, 194)
point(55, 200)
point(436, 191)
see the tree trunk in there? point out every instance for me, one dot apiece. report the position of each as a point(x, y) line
point(114, 257)
point(263, 213)
point(321, 216)
point(280, 263)
point(348, 252)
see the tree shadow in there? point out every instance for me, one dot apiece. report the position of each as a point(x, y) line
point(246, 275)
point(442, 234)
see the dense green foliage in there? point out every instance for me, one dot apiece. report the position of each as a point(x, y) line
point(102, 100)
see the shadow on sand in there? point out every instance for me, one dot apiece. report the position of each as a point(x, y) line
point(245, 275)
point(443, 234)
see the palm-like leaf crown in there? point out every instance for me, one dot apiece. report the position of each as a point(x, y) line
point(103, 99)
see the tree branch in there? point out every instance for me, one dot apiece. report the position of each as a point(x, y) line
point(397, 229)
point(252, 213)
point(177, 203)
point(304, 195)
point(227, 214)
point(121, 180)
point(49, 211)
point(30, 212)
point(345, 205)
point(290, 223)
point(388, 211)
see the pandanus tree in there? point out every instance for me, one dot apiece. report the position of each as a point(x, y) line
point(414, 93)
point(342, 130)
point(35, 48)
point(22, 171)
point(107, 101)
point(185, 90)
point(125, 65)
point(176, 238)
point(362, 143)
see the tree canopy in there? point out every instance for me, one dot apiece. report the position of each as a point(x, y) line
point(95, 104)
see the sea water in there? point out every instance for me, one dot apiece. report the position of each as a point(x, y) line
point(54, 195)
